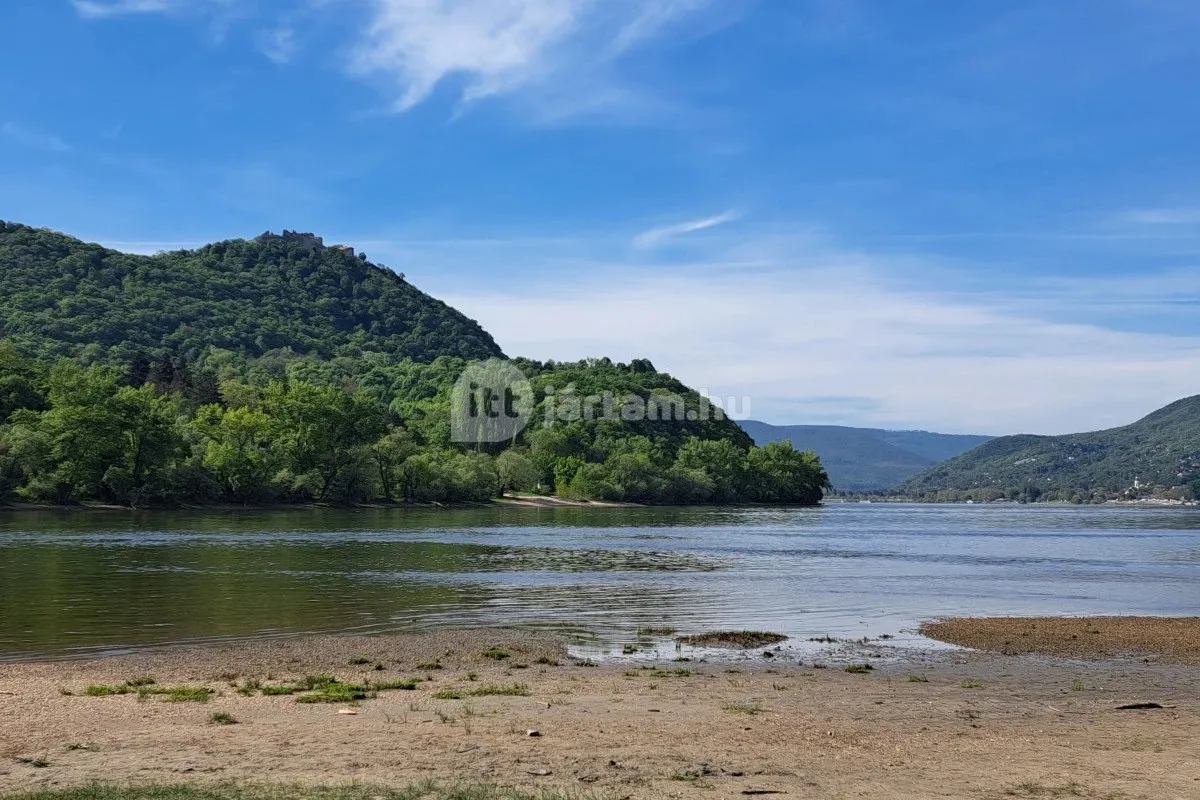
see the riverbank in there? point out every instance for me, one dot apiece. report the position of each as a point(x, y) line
point(1165, 640)
point(926, 724)
point(508, 501)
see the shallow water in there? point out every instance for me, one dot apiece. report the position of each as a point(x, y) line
point(81, 583)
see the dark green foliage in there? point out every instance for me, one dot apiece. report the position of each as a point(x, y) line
point(1160, 452)
point(60, 296)
point(280, 371)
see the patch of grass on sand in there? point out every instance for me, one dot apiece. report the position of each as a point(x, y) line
point(222, 718)
point(275, 691)
point(496, 653)
point(743, 639)
point(170, 694)
point(427, 790)
point(859, 669)
point(917, 679)
point(508, 690)
point(141, 680)
point(970, 683)
point(311, 682)
point(402, 684)
point(335, 693)
point(359, 661)
point(183, 694)
point(753, 709)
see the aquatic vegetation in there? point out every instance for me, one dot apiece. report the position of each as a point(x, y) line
point(649, 630)
point(743, 639)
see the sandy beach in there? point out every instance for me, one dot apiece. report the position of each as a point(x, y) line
point(945, 723)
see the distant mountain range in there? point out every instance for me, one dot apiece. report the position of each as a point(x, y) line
point(1157, 453)
point(866, 459)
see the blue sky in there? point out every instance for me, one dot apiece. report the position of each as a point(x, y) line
point(960, 216)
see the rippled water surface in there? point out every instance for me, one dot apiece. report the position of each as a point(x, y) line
point(73, 583)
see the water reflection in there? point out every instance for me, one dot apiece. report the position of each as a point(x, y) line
point(82, 582)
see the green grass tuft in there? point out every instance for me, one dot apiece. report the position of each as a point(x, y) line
point(222, 718)
point(509, 690)
point(185, 694)
point(404, 684)
point(335, 693)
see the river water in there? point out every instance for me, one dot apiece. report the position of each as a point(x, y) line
point(102, 582)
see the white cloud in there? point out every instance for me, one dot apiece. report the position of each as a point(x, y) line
point(495, 44)
point(94, 9)
point(660, 235)
point(893, 358)
point(36, 140)
point(499, 46)
point(814, 333)
point(278, 44)
point(1179, 215)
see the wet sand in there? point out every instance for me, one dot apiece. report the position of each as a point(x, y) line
point(1167, 640)
point(973, 725)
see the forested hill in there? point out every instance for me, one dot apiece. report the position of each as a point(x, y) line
point(866, 459)
point(61, 296)
point(1157, 455)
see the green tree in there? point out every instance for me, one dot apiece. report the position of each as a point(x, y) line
point(322, 433)
point(721, 461)
point(778, 473)
point(236, 448)
point(516, 472)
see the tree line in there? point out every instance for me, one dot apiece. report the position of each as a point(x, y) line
point(171, 432)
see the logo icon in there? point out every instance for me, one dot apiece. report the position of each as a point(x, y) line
point(492, 402)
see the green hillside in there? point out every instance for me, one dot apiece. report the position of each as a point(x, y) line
point(279, 370)
point(62, 296)
point(1157, 455)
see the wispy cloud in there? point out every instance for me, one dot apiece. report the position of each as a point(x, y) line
point(500, 46)
point(37, 140)
point(793, 321)
point(655, 237)
point(278, 44)
point(1176, 215)
point(94, 9)
point(561, 56)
